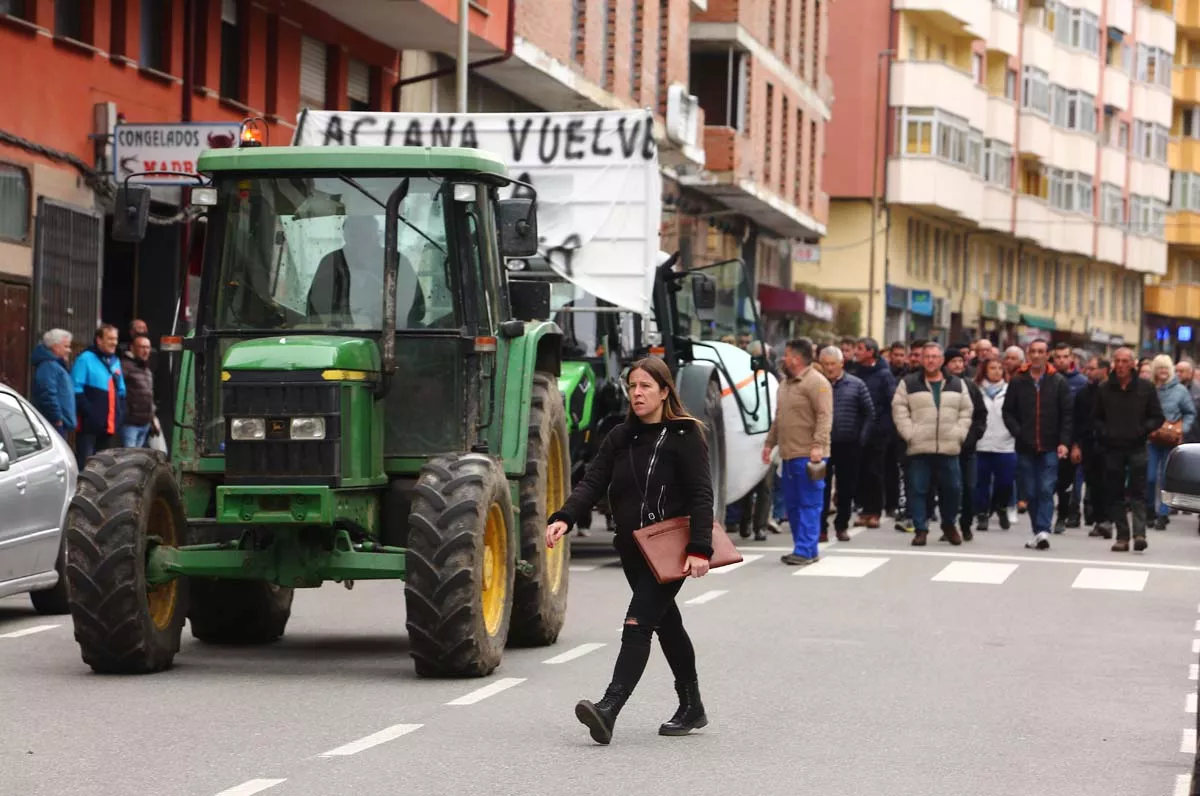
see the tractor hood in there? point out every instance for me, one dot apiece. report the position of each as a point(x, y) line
point(304, 352)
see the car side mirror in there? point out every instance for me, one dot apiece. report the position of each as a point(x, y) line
point(529, 299)
point(516, 223)
point(1181, 478)
point(4, 462)
point(131, 210)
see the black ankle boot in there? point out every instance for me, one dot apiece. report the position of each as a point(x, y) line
point(690, 715)
point(599, 717)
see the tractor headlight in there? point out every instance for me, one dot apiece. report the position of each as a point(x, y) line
point(248, 428)
point(308, 428)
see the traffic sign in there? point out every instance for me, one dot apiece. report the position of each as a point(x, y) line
point(169, 147)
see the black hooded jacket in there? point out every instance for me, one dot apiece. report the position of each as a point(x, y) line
point(1123, 417)
point(651, 473)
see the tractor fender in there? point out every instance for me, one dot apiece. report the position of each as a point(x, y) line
point(538, 350)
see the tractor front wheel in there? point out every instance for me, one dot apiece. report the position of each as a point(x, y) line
point(122, 624)
point(461, 567)
point(238, 612)
point(541, 595)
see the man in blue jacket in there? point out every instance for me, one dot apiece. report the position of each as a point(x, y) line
point(881, 386)
point(99, 394)
point(53, 389)
point(853, 421)
point(1070, 474)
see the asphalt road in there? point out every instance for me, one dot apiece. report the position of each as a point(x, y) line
point(982, 669)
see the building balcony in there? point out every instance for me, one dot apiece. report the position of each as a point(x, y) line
point(935, 186)
point(1073, 233)
point(1113, 166)
point(1187, 15)
point(430, 25)
point(997, 209)
point(1033, 220)
point(1183, 229)
point(733, 176)
point(1110, 244)
point(1005, 35)
point(1001, 120)
point(1156, 28)
point(1183, 154)
point(1039, 48)
point(961, 17)
point(1036, 136)
point(1076, 70)
point(1120, 15)
point(1149, 179)
point(1116, 88)
point(1174, 301)
point(1073, 151)
point(932, 84)
point(1145, 255)
point(1152, 104)
point(1185, 84)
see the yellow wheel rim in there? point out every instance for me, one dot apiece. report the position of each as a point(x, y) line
point(495, 565)
point(555, 497)
point(162, 599)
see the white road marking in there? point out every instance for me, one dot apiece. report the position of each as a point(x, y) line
point(842, 567)
point(252, 786)
point(374, 739)
point(487, 691)
point(29, 631)
point(1198, 625)
point(572, 654)
point(1194, 671)
point(1196, 646)
point(708, 596)
point(975, 572)
point(1183, 784)
point(1110, 579)
point(747, 558)
point(1031, 559)
point(583, 567)
point(1189, 704)
point(1188, 744)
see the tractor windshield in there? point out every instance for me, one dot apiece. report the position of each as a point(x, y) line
point(731, 318)
point(305, 252)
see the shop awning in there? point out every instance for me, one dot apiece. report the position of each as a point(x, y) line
point(780, 301)
point(1038, 321)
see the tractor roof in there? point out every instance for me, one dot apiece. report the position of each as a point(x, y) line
point(364, 158)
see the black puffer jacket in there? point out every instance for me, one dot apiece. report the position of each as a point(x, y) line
point(674, 456)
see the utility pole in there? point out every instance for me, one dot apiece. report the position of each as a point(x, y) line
point(464, 43)
point(876, 165)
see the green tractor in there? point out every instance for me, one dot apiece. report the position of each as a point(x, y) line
point(365, 396)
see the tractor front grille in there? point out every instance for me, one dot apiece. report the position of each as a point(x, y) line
point(279, 459)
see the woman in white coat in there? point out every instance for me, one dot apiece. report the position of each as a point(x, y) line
point(996, 453)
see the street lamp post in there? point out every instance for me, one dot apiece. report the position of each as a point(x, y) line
point(464, 42)
point(875, 168)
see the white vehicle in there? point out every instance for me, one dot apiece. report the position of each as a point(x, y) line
point(37, 481)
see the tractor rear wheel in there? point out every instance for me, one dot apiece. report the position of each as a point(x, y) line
point(714, 418)
point(238, 612)
point(540, 605)
point(122, 624)
point(461, 566)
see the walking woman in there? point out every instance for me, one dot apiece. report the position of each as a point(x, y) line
point(996, 451)
point(1180, 412)
point(653, 467)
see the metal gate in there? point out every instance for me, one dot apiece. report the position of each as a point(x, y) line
point(67, 269)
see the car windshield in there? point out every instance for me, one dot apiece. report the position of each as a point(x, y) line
point(306, 253)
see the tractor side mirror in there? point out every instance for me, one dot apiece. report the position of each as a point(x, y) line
point(1181, 479)
point(131, 210)
point(758, 362)
point(529, 299)
point(516, 221)
point(704, 292)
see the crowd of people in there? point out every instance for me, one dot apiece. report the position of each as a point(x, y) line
point(962, 435)
point(106, 397)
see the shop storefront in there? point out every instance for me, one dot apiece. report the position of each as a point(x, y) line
point(920, 308)
point(895, 324)
point(782, 313)
point(1034, 327)
point(999, 322)
point(1175, 337)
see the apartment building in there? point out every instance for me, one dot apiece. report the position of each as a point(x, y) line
point(1019, 169)
point(1172, 304)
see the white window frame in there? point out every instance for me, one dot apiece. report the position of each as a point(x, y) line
point(1006, 5)
point(1112, 204)
point(975, 153)
point(1085, 194)
point(950, 136)
point(998, 160)
point(1035, 89)
point(1185, 191)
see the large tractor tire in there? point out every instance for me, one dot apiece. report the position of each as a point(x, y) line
point(238, 612)
point(540, 602)
point(122, 625)
point(714, 419)
point(56, 599)
point(461, 567)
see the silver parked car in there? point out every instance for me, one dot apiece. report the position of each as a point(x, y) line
point(37, 481)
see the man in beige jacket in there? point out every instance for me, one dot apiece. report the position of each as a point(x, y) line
point(933, 413)
point(803, 421)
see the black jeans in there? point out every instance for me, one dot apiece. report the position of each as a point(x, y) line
point(1068, 501)
point(1125, 478)
point(652, 609)
point(871, 485)
point(845, 459)
point(893, 482)
point(1093, 476)
point(969, 473)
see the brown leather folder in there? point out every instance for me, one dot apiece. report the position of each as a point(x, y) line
point(664, 544)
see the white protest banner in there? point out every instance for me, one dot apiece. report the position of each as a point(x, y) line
point(172, 147)
point(596, 174)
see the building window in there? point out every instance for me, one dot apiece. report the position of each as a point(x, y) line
point(14, 203)
point(769, 135)
point(1112, 205)
point(975, 153)
point(1150, 141)
point(1034, 179)
point(928, 131)
point(1154, 65)
point(977, 67)
point(1190, 121)
point(998, 163)
point(155, 35)
point(1010, 84)
point(1072, 110)
point(1006, 5)
point(1073, 27)
point(313, 73)
point(358, 85)
point(1185, 191)
point(1147, 216)
point(68, 19)
point(784, 124)
point(13, 8)
point(1035, 90)
point(231, 51)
